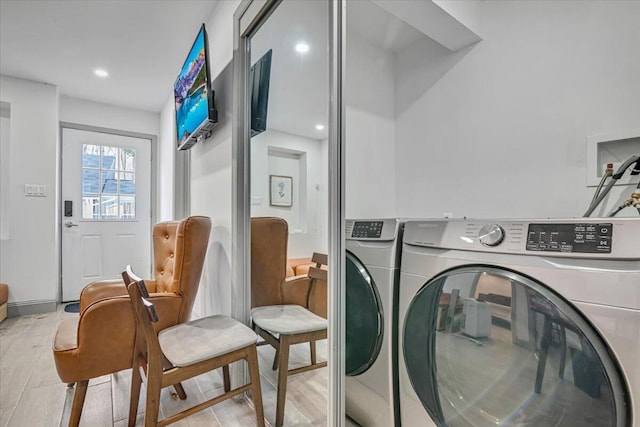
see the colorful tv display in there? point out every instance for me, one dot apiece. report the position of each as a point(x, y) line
point(195, 114)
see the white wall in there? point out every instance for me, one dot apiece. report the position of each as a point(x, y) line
point(370, 130)
point(211, 178)
point(503, 132)
point(29, 258)
point(166, 161)
point(80, 111)
point(5, 177)
point(307, 225)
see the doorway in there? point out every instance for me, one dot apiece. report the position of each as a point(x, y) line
point(106, 201)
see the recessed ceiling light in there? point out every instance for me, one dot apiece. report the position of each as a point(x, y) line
point(101, 73)
point(302, 47)
point(319, 127)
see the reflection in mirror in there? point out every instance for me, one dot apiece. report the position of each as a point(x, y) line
point(500, 341)
point(289, 87)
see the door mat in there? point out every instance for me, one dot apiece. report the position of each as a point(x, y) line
point(74, 307)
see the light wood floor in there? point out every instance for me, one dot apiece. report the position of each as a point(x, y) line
point(31, 394)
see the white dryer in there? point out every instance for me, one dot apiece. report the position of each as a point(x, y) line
point(520, 323)
point(372, 271)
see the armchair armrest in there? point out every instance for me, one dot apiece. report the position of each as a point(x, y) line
point(98, 291)
point(295, 290)
point(318, 291)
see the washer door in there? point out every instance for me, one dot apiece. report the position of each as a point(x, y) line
point(485, 346)
point(364, 318)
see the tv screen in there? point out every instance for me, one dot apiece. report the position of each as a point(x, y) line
point(259, 78)
point(195, 113)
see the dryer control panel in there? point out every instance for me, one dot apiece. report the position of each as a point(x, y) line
point(576, 237)
point(594, 238)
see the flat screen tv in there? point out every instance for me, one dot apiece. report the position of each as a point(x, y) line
point(195, 112)
point(259, 78)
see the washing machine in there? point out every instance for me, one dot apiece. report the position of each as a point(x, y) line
point(372, 270)
point(520, 323)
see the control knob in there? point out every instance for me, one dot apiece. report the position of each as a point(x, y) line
point(491, 235)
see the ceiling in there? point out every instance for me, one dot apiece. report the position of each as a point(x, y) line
point(141, 43)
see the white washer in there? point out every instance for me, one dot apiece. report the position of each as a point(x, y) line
point(372, 271)
point(520, 322)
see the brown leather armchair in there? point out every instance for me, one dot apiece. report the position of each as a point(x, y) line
point(100, 340)
point(270, 283)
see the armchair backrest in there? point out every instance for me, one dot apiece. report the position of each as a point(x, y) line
point(179, 250)
point(269, 239)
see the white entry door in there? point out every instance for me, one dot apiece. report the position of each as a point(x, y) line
point(106, 212)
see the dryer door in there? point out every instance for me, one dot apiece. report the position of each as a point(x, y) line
point(364, 318)
point(485, 346)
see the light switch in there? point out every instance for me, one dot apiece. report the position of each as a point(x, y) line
point(35, 190)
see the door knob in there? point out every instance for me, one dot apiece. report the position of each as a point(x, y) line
point(70, 224)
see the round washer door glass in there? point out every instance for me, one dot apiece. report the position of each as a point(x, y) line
point(485, 346)
point(364, 327)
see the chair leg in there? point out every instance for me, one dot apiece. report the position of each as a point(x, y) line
point(275, 359)
point(312, 344)
point(180, 391)
point(283, 371)
point(256, 390)
point(226, 378)
point(136, 382)
point(152, 407)
point(78, 403)
point(178, 387)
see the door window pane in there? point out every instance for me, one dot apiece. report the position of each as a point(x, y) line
point(107, 174)
point(127, 183)
point(90, 156)
point(91, 207)
point(90, 181)
point(109, 183)
point(127, 207)
point(109, 158)
point(109, 207)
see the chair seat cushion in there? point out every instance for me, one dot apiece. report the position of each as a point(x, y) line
point(202, 339)
point(287, 319)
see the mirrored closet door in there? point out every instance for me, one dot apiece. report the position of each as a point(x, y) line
point(286, 183)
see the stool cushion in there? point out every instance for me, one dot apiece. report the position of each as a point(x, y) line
point(202, 339)
point(4, 293)
point(287, 319)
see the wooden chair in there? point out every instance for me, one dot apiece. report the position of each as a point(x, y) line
point(284, 325)
point(191, 348)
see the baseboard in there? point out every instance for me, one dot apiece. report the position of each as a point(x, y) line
point(26, 308)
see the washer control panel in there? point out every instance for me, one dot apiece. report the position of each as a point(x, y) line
point(367, 229)
point(576, 237)
point(379, 230)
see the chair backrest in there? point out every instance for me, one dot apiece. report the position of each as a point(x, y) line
point(145, 314)
point(269, 239)
point(179, 250)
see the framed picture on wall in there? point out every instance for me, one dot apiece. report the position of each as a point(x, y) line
point(281, 189)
